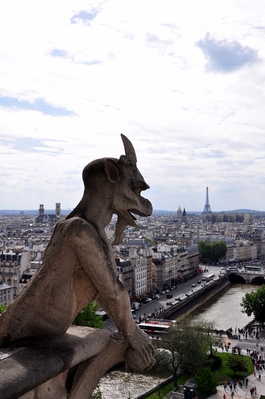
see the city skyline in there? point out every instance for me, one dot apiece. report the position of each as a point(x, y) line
point(183, 81)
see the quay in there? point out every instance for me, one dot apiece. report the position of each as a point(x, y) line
point(195, 299)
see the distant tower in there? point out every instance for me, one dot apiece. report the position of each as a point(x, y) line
point(179, 213)
point(58, 210)
point(41, 209)
point(184, 214)
point(207, 208)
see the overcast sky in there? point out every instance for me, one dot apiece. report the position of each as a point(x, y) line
point(183, 80)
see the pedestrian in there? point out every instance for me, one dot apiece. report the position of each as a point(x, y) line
point(224, 396)
point(232, 394)
point(255, 390)
point(259, 377)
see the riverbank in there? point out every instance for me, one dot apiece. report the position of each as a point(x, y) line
point(255, 379)
point(195, 299)
point(223, 310)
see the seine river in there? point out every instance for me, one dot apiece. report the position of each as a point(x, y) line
point(224, 311)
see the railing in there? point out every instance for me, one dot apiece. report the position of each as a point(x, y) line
point(66, 368)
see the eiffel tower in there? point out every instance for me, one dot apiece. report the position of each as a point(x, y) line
point(207, 208)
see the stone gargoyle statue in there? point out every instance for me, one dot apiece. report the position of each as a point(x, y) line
point(79, 266)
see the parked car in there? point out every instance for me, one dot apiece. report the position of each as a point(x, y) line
point(157, 296)
point(169, 296)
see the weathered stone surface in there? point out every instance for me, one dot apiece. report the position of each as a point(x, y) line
point(66, 367)
point(79, 267)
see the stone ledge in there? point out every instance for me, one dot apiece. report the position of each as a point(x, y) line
point(61, 367)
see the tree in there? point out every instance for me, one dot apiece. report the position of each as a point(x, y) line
point(97, 393)
point(2, 308)
point(207, 328)
point(204, 250)
point(88, 317)
point(206, 381)
point(212, 252)
point(254, 303)
point(236, 364)
point(184, 346)
point(218, 250)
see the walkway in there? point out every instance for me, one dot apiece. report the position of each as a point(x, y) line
point(253, 381)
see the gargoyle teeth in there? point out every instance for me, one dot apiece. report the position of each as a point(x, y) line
point(134, 218)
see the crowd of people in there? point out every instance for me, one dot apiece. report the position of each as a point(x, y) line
point(231, 387)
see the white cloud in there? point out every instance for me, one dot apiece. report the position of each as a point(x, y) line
point(133, 67)
point(226, 57)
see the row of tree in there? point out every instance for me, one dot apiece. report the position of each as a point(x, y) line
point(185, 347)
point(212, 252)
point(189, 347)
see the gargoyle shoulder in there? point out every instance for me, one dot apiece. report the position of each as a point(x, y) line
point(78, 229)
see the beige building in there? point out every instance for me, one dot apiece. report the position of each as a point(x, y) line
point(245, 250)
point(6, 294)
point(12, 266)
point(139, 267)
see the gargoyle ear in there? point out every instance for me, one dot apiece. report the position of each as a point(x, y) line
point(112, 171)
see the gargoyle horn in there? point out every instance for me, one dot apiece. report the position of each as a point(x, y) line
point(130, 154)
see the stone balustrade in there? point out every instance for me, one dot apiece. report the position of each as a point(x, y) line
point(69, 367)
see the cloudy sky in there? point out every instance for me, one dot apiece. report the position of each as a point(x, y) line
point(183, 80)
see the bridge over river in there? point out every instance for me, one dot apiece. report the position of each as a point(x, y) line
point(249, 277)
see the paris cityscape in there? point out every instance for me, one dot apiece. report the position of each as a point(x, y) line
point(161, 251)
point(159, 256)
point(184, 81)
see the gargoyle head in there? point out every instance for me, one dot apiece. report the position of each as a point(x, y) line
point(129, 183)
point(114, 186)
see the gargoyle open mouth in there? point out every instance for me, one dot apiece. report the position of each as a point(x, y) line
point(131, 214)
point(144, 208)
point(133, 184)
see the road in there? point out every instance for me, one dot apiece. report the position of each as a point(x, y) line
point(183, 288)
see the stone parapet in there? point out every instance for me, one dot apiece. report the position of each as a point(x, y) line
point(69, 367)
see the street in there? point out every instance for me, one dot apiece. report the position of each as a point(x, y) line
point(183, 288)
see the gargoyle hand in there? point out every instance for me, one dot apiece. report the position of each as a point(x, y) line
point(140, 355)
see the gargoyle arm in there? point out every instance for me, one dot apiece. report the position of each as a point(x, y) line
point(111, 293)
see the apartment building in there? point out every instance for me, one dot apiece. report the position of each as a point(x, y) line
point(139, 266)
point(6, 294)
point(125, 273)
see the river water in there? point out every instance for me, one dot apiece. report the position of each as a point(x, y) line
point(224, 311)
